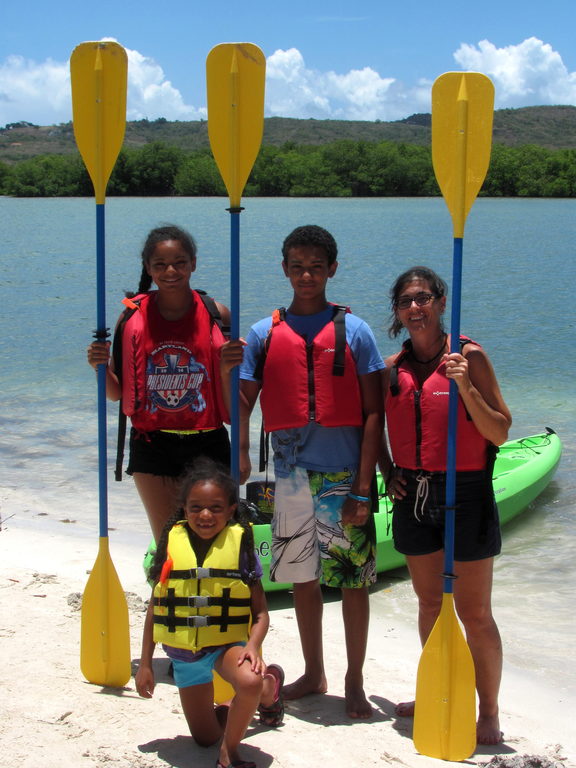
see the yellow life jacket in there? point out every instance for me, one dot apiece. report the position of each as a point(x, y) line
point(199, 607)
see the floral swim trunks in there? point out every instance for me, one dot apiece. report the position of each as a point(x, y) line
point(309, 540)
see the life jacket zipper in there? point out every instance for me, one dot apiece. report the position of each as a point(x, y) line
point(418, 425)
point(311, 383)
point(197, 629)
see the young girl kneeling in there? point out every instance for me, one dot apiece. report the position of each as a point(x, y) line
point(208, 609)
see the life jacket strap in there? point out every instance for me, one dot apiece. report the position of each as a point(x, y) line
point(200, 621)
point(339, 320)
point(224, 620)
point(205, 573)
point(201, 601)
point(131, 307)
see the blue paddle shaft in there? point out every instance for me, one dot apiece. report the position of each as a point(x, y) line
point(101, 334)
point(235, 334)
point(452, 421)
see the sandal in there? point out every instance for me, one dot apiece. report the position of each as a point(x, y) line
point(273, 715)
point(236, 764)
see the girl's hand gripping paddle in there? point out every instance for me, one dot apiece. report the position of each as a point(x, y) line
point(99, 76)
point(445, 710)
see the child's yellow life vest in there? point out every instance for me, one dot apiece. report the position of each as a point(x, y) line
point(199, 607)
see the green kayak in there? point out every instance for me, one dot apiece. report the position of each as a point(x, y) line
point(522, 471)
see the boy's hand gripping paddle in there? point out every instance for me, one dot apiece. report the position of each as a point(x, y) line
point(445, 710)
point(235, 75)
point(99, 76)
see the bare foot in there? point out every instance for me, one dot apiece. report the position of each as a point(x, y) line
point(405, 709)
point(304, 686)
point(357, 705)
point(224, 760)
point(488, 730)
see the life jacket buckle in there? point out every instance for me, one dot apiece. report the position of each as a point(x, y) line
point(200, 601)
point(202, 573)
point(198, 621)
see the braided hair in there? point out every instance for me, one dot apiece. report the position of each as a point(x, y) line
point(205, 469)
point(156, 236)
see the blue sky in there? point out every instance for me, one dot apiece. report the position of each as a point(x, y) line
point(364, 60)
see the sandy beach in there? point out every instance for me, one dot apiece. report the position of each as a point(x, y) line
point(52, 718)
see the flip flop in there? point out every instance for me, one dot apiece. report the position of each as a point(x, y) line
point(273, 715)
point(236, 764)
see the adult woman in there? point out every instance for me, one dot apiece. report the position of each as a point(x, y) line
point(416, 389)
point(168, 377)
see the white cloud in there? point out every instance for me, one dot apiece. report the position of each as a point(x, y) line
point(527, 74)
point(39, 92)
point(293, 90)
point(150, 95)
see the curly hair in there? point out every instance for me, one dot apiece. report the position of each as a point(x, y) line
point(311, 234)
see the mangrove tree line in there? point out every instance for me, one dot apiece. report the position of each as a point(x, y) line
point(345, 168)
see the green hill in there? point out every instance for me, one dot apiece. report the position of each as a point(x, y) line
point(548, 127)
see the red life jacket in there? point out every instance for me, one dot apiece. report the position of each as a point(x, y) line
point(417, 422)
point(304, 382)
point(170, 369)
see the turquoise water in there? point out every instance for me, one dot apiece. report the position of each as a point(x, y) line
point(517, 300)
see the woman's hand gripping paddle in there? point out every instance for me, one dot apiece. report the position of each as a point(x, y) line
point(235, 75)
point(445, 711)
point(99, 75)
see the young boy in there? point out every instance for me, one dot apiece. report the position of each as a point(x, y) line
point(317, 370)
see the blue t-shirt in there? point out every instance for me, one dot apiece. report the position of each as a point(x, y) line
point(322, 449)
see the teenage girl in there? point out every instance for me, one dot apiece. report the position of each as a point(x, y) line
point(209, 611)
point(169, 378)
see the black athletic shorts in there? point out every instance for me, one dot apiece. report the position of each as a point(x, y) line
point(418, 521)
point(169, 454)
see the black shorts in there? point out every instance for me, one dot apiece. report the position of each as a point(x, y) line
point(169, 454)
point(418, 521)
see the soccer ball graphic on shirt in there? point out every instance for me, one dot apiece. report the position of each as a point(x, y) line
point(174, 380)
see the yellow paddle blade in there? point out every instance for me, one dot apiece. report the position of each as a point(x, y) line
point(98, 73)
point(105, 637)
point(445, 711)
point(223, 691)
point(462, 112)
point(235, 75)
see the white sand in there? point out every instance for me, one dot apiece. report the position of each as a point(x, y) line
point(50, 717)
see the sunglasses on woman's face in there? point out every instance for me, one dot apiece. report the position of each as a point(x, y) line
point(421, 299)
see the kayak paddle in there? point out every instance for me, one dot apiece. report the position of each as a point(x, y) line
point(445, 709)
point(99, 75)
point(235, 75)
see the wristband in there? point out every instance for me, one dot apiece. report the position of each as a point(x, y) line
point(358, 498)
